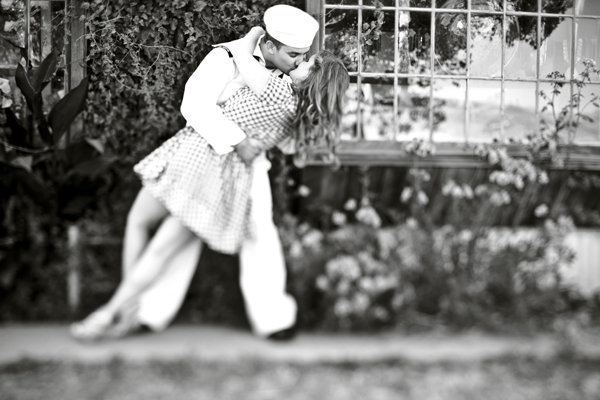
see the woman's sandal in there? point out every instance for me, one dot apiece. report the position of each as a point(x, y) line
point(94, 327)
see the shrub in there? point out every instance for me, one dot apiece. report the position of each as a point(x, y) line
point(361, 277)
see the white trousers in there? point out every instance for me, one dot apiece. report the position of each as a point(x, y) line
point(262, 271)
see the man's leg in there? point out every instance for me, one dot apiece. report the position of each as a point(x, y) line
point(159, 304)
point(262, 266)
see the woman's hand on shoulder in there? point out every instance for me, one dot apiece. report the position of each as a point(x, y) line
point(245, 45)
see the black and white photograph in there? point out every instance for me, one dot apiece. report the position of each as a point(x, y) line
point(300, 199)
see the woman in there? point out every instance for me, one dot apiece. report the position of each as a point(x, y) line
point(190, 190)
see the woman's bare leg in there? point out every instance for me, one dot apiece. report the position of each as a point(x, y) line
point(169, 238)
point(145, 215)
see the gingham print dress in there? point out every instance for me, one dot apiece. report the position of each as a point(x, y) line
point(207, 192)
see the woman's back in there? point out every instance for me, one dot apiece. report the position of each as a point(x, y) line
point(267, 117)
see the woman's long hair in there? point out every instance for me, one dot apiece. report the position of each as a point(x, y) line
point(320, 105)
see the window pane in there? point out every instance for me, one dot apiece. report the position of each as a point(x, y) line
point(450, 44)
point(519, 109)
point(453, 4)
point(376, 3)
point(553, 99)
point(526, 6)
point(588, 7)
point(491, 5)
point(342, 2)
point(588, 44)
point(555, 50)
point(415, 42)
point(350, 118)
point(378, 41)
point(486, 45)
point(415, 3)
point(378, 111)
point(12, 17)
point(520, 51)
point(341, 27)
point(449, 110)
point(58, 42)
point(589, 130)
point(413, 109)
point(484, 111)
point(558, 6)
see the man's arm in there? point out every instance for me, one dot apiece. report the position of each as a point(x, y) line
point(199, 105)
point(254, 74)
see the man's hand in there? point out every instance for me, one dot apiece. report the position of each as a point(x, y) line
point(248, 149)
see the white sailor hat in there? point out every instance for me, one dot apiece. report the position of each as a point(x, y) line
point(290, 25)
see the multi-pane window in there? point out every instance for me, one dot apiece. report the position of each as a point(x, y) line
point(461, 70)
point(39, 27)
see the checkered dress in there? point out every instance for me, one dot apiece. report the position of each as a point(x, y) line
point(208, 192)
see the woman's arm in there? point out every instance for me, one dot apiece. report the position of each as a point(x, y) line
point(253, 73)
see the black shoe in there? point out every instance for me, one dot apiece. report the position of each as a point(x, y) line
point(283, 335)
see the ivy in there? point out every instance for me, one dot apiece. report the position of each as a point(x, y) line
point(140, 54)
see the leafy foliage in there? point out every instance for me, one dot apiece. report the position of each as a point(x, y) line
point(140, 54)
point(361, 276)
point(48, 179)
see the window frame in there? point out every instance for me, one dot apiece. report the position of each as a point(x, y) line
point(456, 153)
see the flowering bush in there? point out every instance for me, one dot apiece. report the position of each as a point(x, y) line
point(361, 276)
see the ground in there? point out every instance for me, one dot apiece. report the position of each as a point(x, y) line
point(504, 379)
point(215, 362)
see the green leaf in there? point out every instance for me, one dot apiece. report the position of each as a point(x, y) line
point(24, 162)
point(44, 72)
point(10, 41)
point(97, 144)
point(24, 84)
point(199, 6)
point(34, 102)
point(66, 109)
point(94, 167)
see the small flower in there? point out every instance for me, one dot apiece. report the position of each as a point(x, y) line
point(350, 205)
point(406, 194)
point(366, 284)
point(480, 189)
point(342, 308)
point(412, 223)
point(457, 192)
point(303, 228)
point(361, 302)
point(543, 178)
point(338, 218)
point(313, 239)
point(322, 283)
point(303, 191)
point(343, 287)
point(447, 188)
point(296, 249)
point(493, 157)
point(465, 235)
point(541, 210)
point(422, 198)
point(468, 192)
point(368, 216)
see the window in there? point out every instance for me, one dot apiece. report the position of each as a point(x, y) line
point(459, 71)
point(39, 27)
